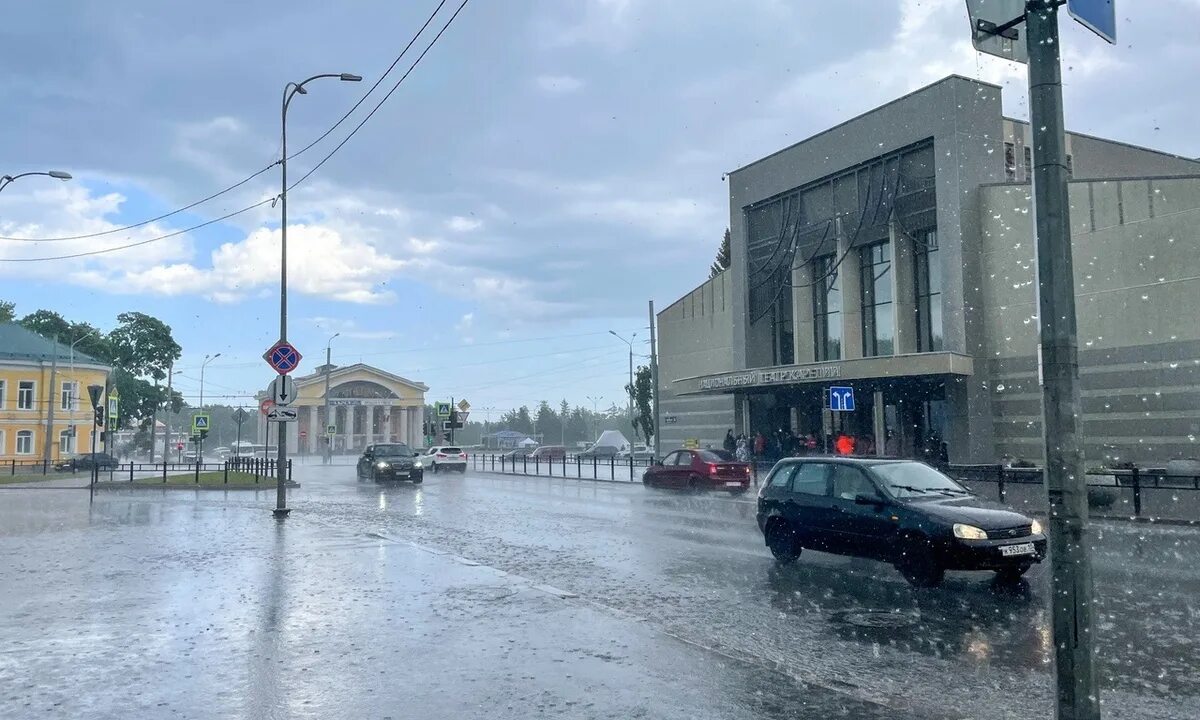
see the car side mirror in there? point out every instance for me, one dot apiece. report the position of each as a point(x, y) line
point(416, 454)
point(865, 499)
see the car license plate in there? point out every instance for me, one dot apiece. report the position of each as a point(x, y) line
point(1022, 549)
point(733, 484)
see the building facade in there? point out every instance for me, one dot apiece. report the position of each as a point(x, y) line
point(37, 374)
point(893, 254)
point(366, 406)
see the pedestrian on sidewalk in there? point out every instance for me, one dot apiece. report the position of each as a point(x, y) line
point(730, 443)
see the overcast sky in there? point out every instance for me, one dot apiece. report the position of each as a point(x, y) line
point(548, 168)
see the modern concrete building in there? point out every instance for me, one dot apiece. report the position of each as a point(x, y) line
point(894, 254)
point(367, 405)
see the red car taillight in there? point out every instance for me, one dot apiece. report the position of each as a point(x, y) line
point(463, 456)
point(441, 455)
point(712, 469)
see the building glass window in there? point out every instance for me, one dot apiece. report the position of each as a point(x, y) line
point(25, 442)
point(1028, 163)
point(66, 442)
point(827, 309)
point(878, 322)
point(25, 394)
point(3, 397)
point(928, 278)
point(70, 396)
point(1010, 162)
point(782, 333)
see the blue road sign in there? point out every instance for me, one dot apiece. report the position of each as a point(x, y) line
point(282, 357)
point(1099, 16)
point(841, 399)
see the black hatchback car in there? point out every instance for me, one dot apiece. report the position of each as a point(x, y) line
point(897, 511)
point(390, 461)
point(87, 461)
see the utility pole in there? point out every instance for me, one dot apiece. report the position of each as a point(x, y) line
point(1066, 488)
point(167, 424)
point(50, 401)
point(325, 430)
point(654, 379)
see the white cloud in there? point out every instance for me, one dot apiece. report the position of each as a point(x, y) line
point(559, 84)
point(321, 262)
point(348, 328)
point(458, 223)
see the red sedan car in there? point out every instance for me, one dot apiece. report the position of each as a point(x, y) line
point(699, 470)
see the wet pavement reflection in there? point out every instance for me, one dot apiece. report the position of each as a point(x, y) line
point(536, 595)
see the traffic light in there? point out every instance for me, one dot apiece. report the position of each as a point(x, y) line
point(99, 416)
point(203, 433)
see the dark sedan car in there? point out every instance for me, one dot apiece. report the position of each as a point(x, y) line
point(87, 461)
point(897, 511)
point(699, 470)
point(392, 461)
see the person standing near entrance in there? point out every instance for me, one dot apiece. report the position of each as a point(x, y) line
point(730, 442)
point(760, 445)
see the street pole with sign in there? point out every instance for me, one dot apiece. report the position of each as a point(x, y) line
point(1072, 591)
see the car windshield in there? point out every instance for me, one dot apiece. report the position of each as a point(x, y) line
point(716, 456)
point(396, 450)
point(914, 479)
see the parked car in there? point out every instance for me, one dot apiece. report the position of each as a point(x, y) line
point(517, 453)
point(600, 451)
point(391, 461)
point(699, 470)
point(638, 452)
point(444, 457)
point(897, 511)
point(87, 461)
point(549, 452)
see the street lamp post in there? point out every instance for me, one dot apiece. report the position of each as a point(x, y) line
point(595, 412)
point(328, 369)
point(289, 91)
point(6, 180)
point(200, 442)
point(628, 342)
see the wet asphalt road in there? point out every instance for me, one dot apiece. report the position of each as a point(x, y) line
point(485, 595)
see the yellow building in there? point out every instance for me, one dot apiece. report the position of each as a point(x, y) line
point(37, 374)
point(366, 406)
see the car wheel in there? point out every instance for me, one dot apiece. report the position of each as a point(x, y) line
point(1011, 575)
point(694, 484)
point(433, 466)
point(781, 540)
point(418, 478)
point(918, 565)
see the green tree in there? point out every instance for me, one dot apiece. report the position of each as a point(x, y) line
point(548, 423)
point(143, 345)
point(643, 403)
point(578, 426)
point(723, 260)
point(7, 311)
point(47, 323)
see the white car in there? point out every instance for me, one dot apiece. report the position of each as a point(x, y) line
point(444, 457)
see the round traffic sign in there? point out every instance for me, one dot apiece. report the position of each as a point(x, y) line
point(303, 433)
point(265, 406)
point(178, 446)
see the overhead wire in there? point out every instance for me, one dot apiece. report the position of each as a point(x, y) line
point(260, 172)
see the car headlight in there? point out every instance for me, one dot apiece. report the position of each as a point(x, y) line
point(381, 465)
point(418, 464)
point(969, 532)
point(1035, 527)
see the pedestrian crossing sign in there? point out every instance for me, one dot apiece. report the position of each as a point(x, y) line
point(199, 422)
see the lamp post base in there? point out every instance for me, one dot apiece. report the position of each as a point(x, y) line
point(281, 513)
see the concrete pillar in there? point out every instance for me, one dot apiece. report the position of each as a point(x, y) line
point(414, 427)
point(802, 310)
point(848, 274)
point(879, 422)
point(904, 295)
point(387, 423)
